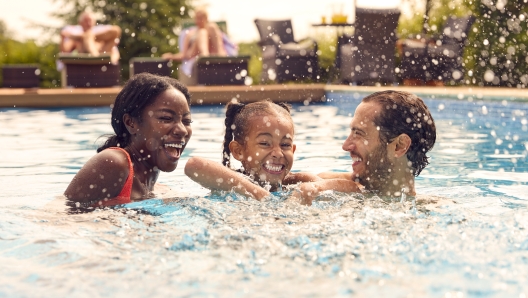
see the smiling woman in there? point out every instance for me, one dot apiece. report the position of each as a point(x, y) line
point(151, 119)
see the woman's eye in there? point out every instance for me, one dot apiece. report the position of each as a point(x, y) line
point(165, 118)
point(263, 143)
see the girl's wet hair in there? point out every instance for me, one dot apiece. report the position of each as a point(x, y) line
point(138, 93)
point(238, 116)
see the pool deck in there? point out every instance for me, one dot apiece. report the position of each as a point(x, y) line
point(209, 95)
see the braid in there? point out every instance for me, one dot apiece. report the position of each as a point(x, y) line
point(232, 111)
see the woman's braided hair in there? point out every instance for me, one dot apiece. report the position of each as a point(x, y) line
point(238, 116)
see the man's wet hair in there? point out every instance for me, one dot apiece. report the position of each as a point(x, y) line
point(405, 113)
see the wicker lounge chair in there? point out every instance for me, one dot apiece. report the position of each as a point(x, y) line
point(213, 70)
point(83, 70)
point(20, 76)
point(368, 55)
point(157, 66)
point(437, 59)
point(283, 58)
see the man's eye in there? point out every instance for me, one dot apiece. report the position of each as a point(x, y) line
point(187, 121)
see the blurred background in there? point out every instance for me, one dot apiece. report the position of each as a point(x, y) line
point(29, 29)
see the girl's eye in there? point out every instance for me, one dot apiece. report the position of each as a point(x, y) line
point(285, 145)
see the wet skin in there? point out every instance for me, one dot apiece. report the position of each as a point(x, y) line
point(160, 136)
point(156, 143)
point(371, 162)
point(267, 153)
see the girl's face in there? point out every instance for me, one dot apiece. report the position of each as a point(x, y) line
point(267, 152)
point(164, 131)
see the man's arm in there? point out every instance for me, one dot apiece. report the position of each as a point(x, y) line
point(335, 175)
point(309, 191)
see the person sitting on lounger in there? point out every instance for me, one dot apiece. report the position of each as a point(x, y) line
point(91, 39)
point(205, 39)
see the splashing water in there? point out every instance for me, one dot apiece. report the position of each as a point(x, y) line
point(464, 234)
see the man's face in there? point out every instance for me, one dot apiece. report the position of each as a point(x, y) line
point(86, 22)
point(371, 165)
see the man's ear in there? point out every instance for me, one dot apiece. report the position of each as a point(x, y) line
point(130, 124)
point(402, 142)
point(237, 150)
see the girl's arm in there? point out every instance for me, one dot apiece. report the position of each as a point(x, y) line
point(307, 192)
point(103, 176)
point(216, 176)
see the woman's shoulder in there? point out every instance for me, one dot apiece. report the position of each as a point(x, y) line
point(111, 159)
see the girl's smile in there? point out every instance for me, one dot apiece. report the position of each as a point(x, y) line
point(267, 154)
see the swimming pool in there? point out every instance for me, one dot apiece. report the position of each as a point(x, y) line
point(222, 245)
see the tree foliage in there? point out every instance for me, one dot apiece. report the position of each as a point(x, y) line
point(498, 45)
point(28, 52)
point(495, 54)
point(147, 25)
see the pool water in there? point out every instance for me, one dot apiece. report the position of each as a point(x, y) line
point(473, 243)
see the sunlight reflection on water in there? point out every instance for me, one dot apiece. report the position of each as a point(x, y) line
point(199, 243)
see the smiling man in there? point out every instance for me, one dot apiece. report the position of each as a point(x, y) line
point(390, 135)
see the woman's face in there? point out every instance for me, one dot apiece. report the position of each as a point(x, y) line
point(163, 131)
point(267, 153)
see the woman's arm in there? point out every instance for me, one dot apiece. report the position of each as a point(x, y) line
point(309, 191)
point(216, 176)
point(103, 176)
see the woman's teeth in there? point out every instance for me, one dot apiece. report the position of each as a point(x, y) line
point(175, 145)
point(355, 159)
point(273, 168)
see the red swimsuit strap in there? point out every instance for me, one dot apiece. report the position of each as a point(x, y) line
point(127, 188)
point(124, 196)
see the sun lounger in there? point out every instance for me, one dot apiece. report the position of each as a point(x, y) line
point(21, 76)
point(368, 57)
point(157, 66)
point(284, 58)
point(83, 70)
point(213, 70)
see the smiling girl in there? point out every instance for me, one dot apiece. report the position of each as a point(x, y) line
point(151, 119)
point(260, 136)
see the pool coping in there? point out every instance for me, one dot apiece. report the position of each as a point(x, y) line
point(210, 95)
